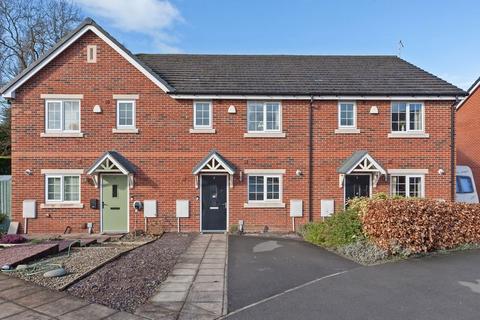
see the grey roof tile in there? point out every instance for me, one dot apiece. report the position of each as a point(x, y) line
point(295, 75)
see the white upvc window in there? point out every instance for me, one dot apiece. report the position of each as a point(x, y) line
point(62, 116)
point(264, 117)
point(407, 117)
point(347, 115)
point(264, 188)
point(410, 186)
point(126, 114)
point(62, 188)
point(202, 115)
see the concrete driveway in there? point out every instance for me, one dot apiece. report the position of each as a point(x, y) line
point(435, 287)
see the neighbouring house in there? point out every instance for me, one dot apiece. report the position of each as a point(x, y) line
point(219, 139)
point(468, 132)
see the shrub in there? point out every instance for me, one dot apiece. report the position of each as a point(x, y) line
point(340, 229)
point(408, 226)
point(12, 239)
point(364, 252)
point(3, 217)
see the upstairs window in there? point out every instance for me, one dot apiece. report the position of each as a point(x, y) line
point(92, 54)
point(202, 115)
point(62, 116)
point(264, 117)
point(60, 188)
point(407, 117)
point(125, 114)
point(407, 186)
point(347, 117)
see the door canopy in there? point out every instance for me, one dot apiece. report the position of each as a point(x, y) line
point(361, 162)
point(214, 162)
point(114, 163)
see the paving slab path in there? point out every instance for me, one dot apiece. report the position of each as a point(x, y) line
point(21, 300)
point(196, 288)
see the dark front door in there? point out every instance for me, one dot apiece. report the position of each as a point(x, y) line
point(357, 186)
point(214, 203)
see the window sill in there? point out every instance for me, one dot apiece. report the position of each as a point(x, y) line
point(264, 135)
point(264, 205)
point(61, 205)
point(62, 134)
point(134, 131)
point(203, 131)
point(347, 131)
point(409, 135)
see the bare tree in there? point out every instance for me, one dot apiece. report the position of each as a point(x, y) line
point(28, 29)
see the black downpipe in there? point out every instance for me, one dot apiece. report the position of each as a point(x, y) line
point(452, 150)
point(310, 160)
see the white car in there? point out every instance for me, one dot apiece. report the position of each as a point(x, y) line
point(465, 190)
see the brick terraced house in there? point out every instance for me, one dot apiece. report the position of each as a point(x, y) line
point(205, 142)
point(468, 133)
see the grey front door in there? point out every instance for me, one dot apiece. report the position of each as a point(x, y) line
point(357, 186)
point(214, 202)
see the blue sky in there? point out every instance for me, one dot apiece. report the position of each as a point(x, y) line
point(439, 36)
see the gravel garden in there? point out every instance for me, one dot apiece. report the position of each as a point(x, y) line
point(382, 228)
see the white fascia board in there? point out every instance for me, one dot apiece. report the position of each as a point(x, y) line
point(375, 163)
point(10, 93)
point(305, 97)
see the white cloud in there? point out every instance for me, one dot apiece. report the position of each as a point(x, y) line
point(151, 17)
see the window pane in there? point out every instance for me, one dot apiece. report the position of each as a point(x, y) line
point(54, 112)
point(273, 116)
point(399, 187)
point(255, 188)
point(255, 117)
point(399, 117)
point(347, 115)
point(125, 114)
point(202, 114)
point(53, 188)
point(71, 114)
point(416, 119)
point(415, 187)
point(273, 188)
point(71, 185)
point(464, 184)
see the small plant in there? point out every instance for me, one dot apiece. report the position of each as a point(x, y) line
point(12, 239)
point(234, 228)
point(340, 229)
point(3, 217)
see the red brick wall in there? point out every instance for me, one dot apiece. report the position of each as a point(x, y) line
point(165, 152)
point(468, 135)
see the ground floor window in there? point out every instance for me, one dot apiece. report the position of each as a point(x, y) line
point(264, 188)
point(407, 186)
point(62, 188)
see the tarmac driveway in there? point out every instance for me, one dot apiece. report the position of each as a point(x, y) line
point(430, 288)
point(260, 267)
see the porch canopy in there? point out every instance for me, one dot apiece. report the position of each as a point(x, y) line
point(361, 162)
point(214, 162)
point(112, 162)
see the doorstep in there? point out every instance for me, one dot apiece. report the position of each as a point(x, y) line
point(195, 289)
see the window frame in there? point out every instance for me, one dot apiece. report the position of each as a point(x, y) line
point(62, 188)
point(134, 107)
point(264, 105)
point(265, 178)
point(210, 118)
point(407, 184)
point(407, 117)
point(462, 176)
point(339, 110)
point(62, 116)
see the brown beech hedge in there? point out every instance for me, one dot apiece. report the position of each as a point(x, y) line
point(420, 225)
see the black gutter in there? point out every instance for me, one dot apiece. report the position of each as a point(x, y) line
point(452, 150)
point(310, 160)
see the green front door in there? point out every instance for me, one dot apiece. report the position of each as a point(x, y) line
point(115, 203)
